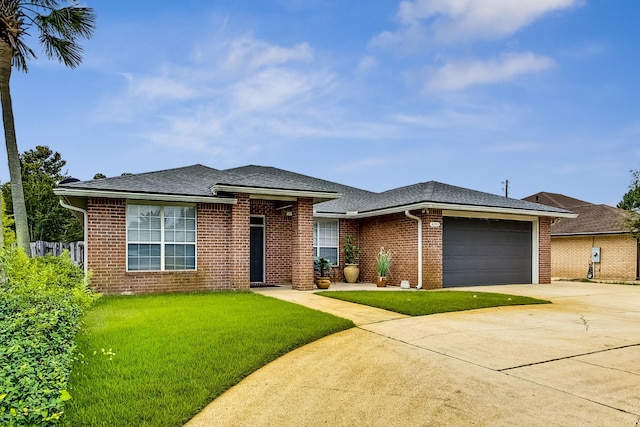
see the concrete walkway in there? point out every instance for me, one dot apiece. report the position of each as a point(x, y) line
point(573, 362)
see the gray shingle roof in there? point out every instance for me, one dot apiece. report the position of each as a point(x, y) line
point(270, 177)
point(435, 192)
point(197, 180)
point(193, 180)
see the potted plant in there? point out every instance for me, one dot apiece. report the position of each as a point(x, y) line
point(351, 253)
point(323, 266)
point(383, 265)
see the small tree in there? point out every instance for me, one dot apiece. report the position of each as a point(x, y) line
point(631, 202)
point(41, 173)
point(631, 199)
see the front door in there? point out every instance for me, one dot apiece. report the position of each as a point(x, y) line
point(256, 264)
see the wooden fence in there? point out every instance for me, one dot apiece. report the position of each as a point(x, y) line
point(76, 250)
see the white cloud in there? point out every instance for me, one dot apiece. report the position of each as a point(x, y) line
point(479, 119)
point(248, 52)
point(152, 87)
point(240, 96)
point(449, 21)
point(460, 75)
point(366, 63)
point(274, 87)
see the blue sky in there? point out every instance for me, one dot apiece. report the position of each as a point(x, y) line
point(373, 94)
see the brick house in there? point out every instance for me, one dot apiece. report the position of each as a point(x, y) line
point(199, 228)
point(596, 226)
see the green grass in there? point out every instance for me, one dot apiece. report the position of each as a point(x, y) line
point(421, 303)
point(157, 360)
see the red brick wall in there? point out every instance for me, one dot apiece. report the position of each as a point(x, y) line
point(397, 233)
point(432, 249)
point(400, 234)
point(240, 235)
point(107, 252)
point(302, 244)
point(277, 241)
point(544, 250)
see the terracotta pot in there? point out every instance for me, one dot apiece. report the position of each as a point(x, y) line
point(351, 273)
point(382, 282)
point(323, 282)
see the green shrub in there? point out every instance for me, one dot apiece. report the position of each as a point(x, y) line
point(41, 301)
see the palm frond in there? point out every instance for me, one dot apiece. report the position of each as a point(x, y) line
point(59, 29)
point(62, 49)
point(21, 54)
point(67, 22)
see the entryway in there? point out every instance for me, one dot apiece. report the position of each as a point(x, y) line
point(257, 251)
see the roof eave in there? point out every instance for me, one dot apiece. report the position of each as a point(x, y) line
point(448, 207)
point(278, 193)
point(73, 192)
point(590, 233)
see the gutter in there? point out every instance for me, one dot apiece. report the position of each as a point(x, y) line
point(85, 229)
point(408, 214)
point(444, 207)
point(278, 192)
point(591, 233)
point(143, 196)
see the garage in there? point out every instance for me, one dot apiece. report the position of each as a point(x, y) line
point(486, 252)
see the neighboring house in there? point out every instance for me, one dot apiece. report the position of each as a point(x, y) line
point(198, 228)
point(597, 226)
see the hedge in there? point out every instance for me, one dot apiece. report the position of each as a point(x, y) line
point(41, 302)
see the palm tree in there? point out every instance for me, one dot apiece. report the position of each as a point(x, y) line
point(59, 24)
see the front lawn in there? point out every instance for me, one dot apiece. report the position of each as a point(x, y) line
point(420, 303)
point(157, 360)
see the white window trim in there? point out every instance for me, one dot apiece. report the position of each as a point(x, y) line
point(316, 232)
point(162, 242)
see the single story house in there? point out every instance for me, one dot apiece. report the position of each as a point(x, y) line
point(597, 226)
point(199, 228)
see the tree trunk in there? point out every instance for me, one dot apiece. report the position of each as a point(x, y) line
point(15, 173)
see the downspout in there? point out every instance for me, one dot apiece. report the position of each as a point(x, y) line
point(408, 214)
point(84, 233)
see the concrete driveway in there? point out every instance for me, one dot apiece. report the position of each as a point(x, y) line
point(575, 362)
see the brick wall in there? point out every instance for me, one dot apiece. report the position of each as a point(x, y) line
point(277, 241)
point(400, 234)
point(570, 256)
point(302, 244)
point(240, 245)
point(107, 252)
point(432, 250)
point(544, 250)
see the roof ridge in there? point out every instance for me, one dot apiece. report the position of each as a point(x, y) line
point(273, 168)
point(118, 177)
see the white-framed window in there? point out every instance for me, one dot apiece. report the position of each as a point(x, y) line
point(161, 237)
point(325, 239)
